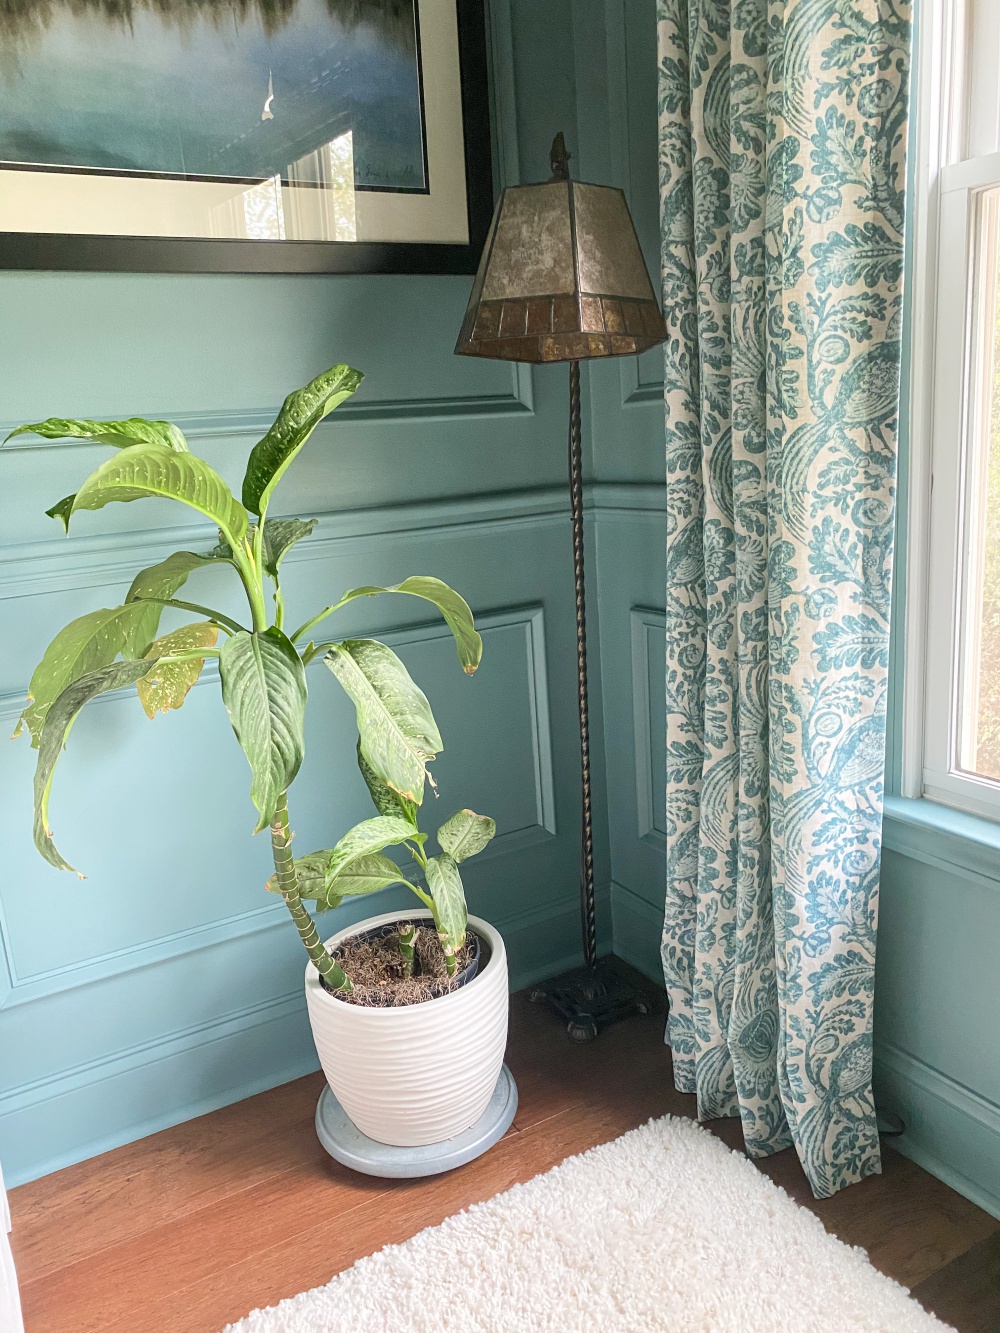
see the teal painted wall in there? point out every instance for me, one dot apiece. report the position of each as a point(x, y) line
point(626, 414)
point(168, 982)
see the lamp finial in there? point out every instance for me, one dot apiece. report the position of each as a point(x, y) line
point(559, 158)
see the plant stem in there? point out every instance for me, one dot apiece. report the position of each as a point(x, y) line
point(327, 611)
point(193, 655)
point(217, 618)
point(450, 961)
point(284, 874)
point(407, 934)
point(253, 583)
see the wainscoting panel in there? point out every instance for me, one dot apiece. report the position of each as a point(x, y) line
point(649, 712)
point(170, 957)
point(167, 982)
point(626, 395)
point(630, 543)
point(937, 991)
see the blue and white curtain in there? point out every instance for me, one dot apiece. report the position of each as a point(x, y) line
point(782, 140)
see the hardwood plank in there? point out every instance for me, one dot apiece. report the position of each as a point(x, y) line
point(553, 1073)
point(162, 1177)
point(312, 1257)
point(966, 1291)
point(86, 1296)
point(192, 1227)
point(910, 1223)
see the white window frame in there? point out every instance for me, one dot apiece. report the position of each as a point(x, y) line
point(955, 119)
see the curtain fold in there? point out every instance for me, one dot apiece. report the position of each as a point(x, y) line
point(781, 144)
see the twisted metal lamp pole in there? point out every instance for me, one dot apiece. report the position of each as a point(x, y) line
point(562, 278)
point(588, 905)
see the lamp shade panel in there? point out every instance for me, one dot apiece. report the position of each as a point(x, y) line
point(561, 278)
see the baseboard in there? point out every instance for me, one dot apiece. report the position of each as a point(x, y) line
point(951, 1131)
point(224, 1063)
point(76, 1115)
point(637, 926)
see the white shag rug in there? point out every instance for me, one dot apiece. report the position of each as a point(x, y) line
point(661, 1231)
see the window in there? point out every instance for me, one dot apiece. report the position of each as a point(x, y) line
point(952, 669)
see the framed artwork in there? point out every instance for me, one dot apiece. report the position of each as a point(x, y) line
point(246, 136)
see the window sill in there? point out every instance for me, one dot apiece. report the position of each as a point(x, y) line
point(939, 836)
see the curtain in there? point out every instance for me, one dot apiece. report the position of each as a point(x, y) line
point(781, 144)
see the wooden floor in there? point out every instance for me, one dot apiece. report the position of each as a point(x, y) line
point(191, 1228)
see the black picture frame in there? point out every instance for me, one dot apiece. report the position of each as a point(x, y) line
point(74, 252)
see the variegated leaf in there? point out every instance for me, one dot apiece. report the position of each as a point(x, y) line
point(167, 685)
point(399, 736)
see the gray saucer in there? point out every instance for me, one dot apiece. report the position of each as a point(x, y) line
point(347, 1144)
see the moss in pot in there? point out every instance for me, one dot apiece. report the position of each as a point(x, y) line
point(262, 668)
point(375, 962)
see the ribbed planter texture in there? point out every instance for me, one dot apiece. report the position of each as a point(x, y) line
point(419, 1073)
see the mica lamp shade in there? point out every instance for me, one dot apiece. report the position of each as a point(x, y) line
point(562, 278)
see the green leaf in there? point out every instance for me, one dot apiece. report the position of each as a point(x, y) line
point(450, 912)
point(354, 866)
point(453, 607)
point(61, 716)
point(82, 646)
point(161, 582)
point(152, 470)
point(119, 434)
point(465, 834)
point(300, 414)
point(280, 535)
point(368, 874)
point(167, 685)
point(399, 736)
point(62, 510)
point(310, 876)
point(166, 578)
point(371, 835)
point(386, 801)
point(264, 690)
point(97, 638)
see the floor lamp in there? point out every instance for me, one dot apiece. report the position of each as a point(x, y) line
point(562, 278)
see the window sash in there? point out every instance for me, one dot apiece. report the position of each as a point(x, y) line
point(956, 115)
point(967, 235)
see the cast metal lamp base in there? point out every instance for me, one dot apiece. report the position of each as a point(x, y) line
point(591, 998)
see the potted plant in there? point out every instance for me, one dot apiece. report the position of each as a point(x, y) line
point(413, 1045)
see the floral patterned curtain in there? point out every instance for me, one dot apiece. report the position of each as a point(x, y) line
point(782, 141)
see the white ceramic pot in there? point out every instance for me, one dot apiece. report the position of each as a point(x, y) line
point(418, 1073)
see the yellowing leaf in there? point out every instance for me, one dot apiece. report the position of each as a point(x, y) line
point(167, 684)
point(84, 645)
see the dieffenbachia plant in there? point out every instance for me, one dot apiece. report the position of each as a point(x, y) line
point(262, 667)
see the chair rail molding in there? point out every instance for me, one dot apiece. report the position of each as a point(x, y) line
point(240, 423)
